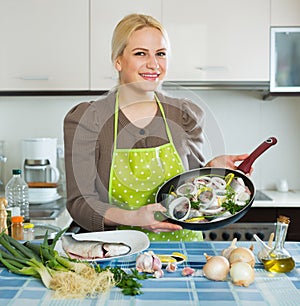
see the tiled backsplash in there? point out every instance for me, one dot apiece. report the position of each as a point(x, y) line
point(243, 117)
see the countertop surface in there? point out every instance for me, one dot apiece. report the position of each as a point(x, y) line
point(172, 289)
point(279, 199)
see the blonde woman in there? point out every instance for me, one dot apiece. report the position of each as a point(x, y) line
point(122, 147)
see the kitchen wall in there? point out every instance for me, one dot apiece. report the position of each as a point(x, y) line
point(244, 118)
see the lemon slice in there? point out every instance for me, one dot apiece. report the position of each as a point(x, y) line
point(177, 254)
point(166, 258)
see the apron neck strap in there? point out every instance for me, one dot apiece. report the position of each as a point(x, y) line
point(117, 118)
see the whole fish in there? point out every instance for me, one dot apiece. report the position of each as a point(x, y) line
point(92, 250)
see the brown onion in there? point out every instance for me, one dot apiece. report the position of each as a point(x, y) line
point(242, 274)
point(242, 254)
point(216, 268)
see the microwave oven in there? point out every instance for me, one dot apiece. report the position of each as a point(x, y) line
point(285, 59)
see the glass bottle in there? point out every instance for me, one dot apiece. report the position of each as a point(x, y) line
point(16, 193)
point(3, 160)
point(279, 259)
point(28, 231)
point(17, 229)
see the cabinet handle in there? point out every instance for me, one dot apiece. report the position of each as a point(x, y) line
point(212, 68)
point(34, 78)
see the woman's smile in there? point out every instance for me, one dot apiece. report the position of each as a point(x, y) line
point(144, 58)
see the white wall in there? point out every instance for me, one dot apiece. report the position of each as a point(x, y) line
point(244, 118)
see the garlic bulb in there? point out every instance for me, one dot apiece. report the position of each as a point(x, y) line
point(226, 252)
point(216, 268)
point(242, 274)
point(148, 262)
point(242, 254)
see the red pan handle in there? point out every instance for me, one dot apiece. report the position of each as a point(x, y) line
point(245, 166)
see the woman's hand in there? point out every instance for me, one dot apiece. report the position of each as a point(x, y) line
point(143, 217)
point(227, 161)
point(146, 219)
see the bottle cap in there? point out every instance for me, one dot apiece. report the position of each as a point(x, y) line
point(16, 171)
point(28, 225)
point(16, 219)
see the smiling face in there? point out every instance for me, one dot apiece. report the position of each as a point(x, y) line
point(144, 59)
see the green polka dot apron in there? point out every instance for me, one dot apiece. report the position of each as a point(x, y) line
point(136, 175)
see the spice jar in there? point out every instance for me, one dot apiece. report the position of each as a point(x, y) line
point(279, 259)
point(28, 231)
point(17, 229)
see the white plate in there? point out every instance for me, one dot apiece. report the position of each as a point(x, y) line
point(138, 241)
point(42, 200)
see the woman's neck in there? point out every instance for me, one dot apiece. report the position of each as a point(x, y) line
point(129, 96)
point(139, 107)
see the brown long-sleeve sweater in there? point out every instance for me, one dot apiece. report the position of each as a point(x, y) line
point(88, 139)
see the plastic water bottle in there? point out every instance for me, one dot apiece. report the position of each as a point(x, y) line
point(16, 193)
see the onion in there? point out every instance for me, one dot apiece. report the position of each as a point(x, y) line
point(241, 254)
point(226, 252)
point(216, 268)
point(242, 274)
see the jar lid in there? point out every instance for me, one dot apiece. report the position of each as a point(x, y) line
point(28, 225)
point(16, 219)
point(16, 171)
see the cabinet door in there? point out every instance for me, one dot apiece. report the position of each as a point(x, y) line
point(44, 45)
point(285, 13)
point(104, 17)
point(216, 40)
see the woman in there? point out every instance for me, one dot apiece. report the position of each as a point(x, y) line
point(120, 149)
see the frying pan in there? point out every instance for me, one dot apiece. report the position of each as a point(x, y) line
point(242, 169)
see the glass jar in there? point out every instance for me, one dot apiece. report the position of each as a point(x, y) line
point(279, 259)
point(28, 231)
point(17, 229)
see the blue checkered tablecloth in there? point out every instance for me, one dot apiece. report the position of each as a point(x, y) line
point(172, 289)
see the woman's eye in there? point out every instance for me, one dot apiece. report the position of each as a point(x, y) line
point(139, 53)
point(161, 54)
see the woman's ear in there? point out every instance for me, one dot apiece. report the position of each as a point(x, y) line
point(118, 64)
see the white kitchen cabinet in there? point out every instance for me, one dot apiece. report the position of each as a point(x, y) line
point(104, 17)
point(44, 45)
point(217, 40)
point(285, 13)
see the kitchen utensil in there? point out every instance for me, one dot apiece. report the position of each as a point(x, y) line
point(39, 159)
point(245, 166)
point(185, 177)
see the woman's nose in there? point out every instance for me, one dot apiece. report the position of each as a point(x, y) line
point(152, 62)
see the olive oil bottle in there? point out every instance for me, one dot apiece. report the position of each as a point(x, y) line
point(279, 259)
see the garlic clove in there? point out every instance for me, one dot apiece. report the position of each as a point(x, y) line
point(171, 267)
point(188, 271)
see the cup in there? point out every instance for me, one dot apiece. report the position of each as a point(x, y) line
point(282, 185)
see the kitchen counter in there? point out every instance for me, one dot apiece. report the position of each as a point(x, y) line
point(279, 199)
point(173, 289)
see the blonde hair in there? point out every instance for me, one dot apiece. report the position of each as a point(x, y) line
point(127, 26)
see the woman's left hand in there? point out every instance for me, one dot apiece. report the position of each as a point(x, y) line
point(227, 161)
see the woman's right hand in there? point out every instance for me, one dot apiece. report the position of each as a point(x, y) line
point(145, 217)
